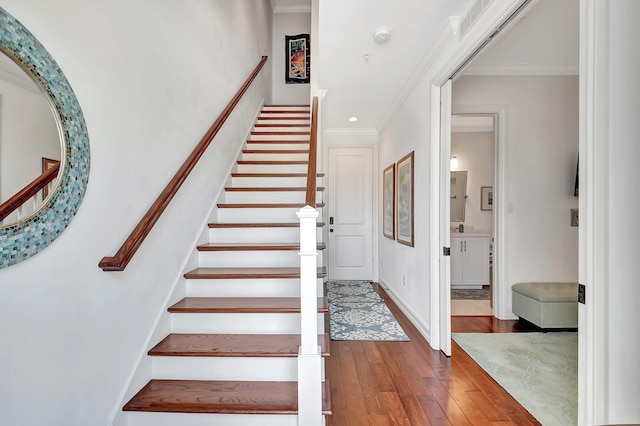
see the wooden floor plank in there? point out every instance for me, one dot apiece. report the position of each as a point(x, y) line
point(417, 384)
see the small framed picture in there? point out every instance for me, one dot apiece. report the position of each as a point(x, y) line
point(486, 198)
point(389, 202)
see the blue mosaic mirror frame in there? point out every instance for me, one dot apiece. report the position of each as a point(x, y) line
point(21, 240)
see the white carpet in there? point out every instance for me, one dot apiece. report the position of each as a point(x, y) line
point(540, 370)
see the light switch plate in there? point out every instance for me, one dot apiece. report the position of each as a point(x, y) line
point(574, 217)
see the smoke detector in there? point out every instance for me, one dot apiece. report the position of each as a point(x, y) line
point(381, 35)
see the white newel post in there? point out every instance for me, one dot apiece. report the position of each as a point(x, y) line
point(309, 356)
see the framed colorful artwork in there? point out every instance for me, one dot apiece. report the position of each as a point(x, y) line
point(297, 55)
point(388, 202)
point(404, 199)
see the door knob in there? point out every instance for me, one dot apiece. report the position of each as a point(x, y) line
point(331, 230)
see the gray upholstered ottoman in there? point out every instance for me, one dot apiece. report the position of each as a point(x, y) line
point(547, 304)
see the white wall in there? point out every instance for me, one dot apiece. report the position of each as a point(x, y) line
point(475, 153)
point(541, 144)
point(151, 77)
point(288, 24)
point(403, 269)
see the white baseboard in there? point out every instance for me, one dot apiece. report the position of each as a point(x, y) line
point(423, 328)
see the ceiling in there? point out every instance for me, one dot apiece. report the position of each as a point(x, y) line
point(368, 80)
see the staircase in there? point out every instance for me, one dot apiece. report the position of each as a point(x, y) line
point(231, 358)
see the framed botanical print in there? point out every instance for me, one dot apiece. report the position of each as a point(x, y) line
point(389, 202)
point(404, 199)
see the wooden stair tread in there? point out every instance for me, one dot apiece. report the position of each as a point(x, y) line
point(269, 189)
point(253, 246)
point(264, 205)
point(267, 125)
point(275, 151)
point(279, 142)
point(255, 305)
point(261, 225)
point(274, 162)
point(221, 273)
point(267, 175)
point(234, 345)
point(293, 117)
point(223, 397)
point(259, 133)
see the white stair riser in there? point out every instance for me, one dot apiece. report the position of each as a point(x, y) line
point(191, 419)
point(283, 129)
point(249, 235)
point(259, 215)
point(225, 368)
point(268, 196)
point(277, 146)
point(271, 156)
point(272, 168)
point(270, 137)
point(239, 323)
point(265, 182)
point(263, 287)
point(305, 108)
point(248, 259)
point(301, 120)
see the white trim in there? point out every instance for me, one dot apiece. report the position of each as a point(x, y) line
point(593, 252)
point(444, 209)
point(434, 212)
point(456, 54)
point(422, 328)
point(523, 69)
point(500, 272)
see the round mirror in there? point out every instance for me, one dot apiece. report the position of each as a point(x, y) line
point(30, 144)
point(60, 198)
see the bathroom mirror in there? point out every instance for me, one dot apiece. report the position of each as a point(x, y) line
point(458, 195)
point(27, 236)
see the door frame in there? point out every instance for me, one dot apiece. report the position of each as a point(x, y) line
point(329, 143)
point(500, 206)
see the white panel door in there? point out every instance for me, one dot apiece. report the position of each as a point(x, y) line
point(350, 213)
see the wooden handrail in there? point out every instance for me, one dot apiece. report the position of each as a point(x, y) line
point(120, 260)
point(313, 148)
point(29, 191)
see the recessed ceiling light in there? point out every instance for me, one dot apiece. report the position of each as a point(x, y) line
point(353, 118)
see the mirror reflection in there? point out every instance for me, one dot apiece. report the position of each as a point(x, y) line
point(30, 144)
point(458, 195)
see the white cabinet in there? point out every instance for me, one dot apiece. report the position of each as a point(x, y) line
point(469, 261)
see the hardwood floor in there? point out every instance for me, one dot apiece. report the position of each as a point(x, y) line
point(408, 383)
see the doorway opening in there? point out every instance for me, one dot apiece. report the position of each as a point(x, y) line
point(473, 148)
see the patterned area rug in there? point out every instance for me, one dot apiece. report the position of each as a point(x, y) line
point(540, 370)
point(479, 294)
point(356, 312)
